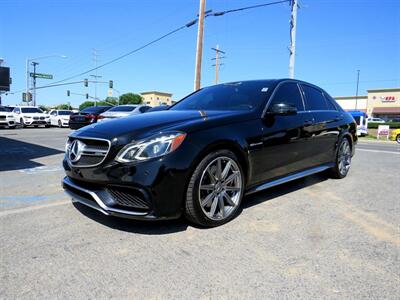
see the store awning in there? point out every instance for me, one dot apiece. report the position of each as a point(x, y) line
point(386, 110)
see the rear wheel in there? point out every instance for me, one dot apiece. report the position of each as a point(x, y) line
point(215, 190)
point(398, 138)
point(343, 160)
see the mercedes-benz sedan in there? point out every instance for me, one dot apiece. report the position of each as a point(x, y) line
point(203, 154)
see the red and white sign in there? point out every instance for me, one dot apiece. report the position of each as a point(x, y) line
point(388, 98)
point(383, 130)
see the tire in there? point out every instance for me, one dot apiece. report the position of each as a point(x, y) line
point(22, 123)
point(398, 138)
point(59, 124)
point(207, 191)
point(342, 160)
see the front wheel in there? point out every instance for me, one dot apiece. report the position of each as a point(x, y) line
point(343, 160)
point(215, 190)
point(398, 138)
point(59, 124)
point(21, 123)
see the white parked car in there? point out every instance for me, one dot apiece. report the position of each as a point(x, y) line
point(6, 117)
point(375, 120)
point(30, 116)
point(60, 117)
point(122, 111)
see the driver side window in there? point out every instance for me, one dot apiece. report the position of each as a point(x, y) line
point(288, 93)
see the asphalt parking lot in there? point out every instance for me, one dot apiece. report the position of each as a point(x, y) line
point(312, 238)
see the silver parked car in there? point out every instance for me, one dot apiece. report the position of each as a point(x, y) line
point(122, 111)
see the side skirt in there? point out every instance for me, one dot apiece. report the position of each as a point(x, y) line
point(290, 178)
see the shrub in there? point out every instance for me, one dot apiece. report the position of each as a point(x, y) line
point(392, 125)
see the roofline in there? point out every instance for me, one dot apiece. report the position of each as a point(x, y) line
point(156, 92)
point(384, 90)
point(350, 97)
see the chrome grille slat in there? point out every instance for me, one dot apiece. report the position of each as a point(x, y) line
point(93, 153)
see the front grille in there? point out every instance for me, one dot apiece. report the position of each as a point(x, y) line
point(126, 197)
point(93, 152)
point(41, 118)
point(36, 118)
point(2, 117)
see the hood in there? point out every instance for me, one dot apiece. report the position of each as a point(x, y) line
point(144, 125)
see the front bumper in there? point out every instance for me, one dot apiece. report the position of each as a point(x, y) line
point(10, 122)
point(102, 201)
point(30, 122)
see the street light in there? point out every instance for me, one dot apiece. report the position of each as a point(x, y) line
point(28, 61)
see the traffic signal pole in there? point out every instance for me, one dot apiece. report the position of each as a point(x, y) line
point(292, 48)
point(34, 82)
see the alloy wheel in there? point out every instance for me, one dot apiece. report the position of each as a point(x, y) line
point(344, 157)
point(220, 188)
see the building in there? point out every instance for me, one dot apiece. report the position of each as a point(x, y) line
point(381, 103)
point(154, 98)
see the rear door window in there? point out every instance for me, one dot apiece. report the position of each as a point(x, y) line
point(315, 100)
point(288, 93)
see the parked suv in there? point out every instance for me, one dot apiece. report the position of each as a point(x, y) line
point(6, 117)
point(31, 116)
point(203, 154)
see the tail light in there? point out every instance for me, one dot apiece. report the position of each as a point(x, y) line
point(100, 117)
point(90, 116)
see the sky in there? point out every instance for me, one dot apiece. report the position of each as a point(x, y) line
point(335, 38)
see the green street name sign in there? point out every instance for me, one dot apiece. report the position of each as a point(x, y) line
point(40, 75)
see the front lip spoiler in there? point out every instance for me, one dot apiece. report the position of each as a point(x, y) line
point(98, 204)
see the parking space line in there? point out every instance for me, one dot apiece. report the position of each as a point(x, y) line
point(378, 151)
point(31, 208)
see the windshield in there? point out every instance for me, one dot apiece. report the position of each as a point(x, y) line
point(122, 108)
point(3, 109)
point(31, 110)
point(232, 96)
point(64, 112)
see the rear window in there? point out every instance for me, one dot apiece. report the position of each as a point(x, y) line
point(315, 100)
point(94, 109)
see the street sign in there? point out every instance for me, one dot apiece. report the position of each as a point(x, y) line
point(40, 75)
point(110, 93)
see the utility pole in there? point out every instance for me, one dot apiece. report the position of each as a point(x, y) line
point(34, 64)
point(292, 48)
point(96, 77)
point(217, 64)
point(27, 81)
point(358, 80)
point(199, 49)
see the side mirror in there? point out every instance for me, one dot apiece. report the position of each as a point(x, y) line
point(282, 109)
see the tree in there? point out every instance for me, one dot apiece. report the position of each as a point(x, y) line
point(44, 108)
point(110, 101)
point(130, 98)
point(62, 106)
point(86, 104)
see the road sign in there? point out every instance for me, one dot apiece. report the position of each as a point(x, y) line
point(40, 75)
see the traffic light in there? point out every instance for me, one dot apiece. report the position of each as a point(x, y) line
point(85, 82)
point(110, 84)
point(68, 93)
point(29, 96)
point(87, 96)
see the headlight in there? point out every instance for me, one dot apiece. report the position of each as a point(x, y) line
point(10, 116)
point(150, 148)
point(47, 117)
point(67, 146)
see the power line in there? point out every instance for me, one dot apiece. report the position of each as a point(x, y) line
point(221, 13)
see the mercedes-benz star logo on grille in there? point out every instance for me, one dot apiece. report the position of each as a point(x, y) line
point(76, 150)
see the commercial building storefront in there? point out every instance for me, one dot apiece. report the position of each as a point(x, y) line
point(155, 98)
point(381, 103)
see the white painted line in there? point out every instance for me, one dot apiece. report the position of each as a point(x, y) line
point(31, 208)
point(378, 151)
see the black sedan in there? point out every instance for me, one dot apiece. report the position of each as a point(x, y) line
point(203, 154)
point(87, 116)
